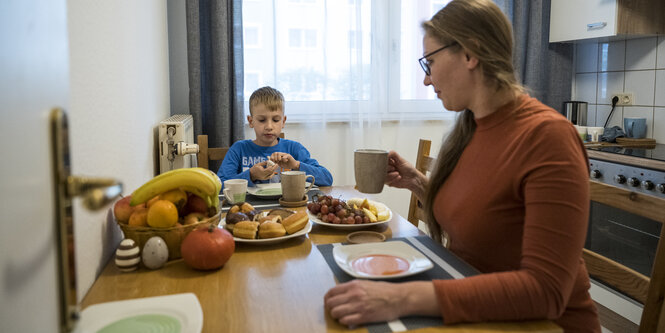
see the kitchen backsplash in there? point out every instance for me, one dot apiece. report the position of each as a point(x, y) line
point(634, 66)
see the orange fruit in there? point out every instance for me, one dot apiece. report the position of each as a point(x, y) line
point(139, 217)
point(177, 196)
point(162, 214)
point(152, 201)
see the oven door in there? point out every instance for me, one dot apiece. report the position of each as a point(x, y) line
point(624, 237)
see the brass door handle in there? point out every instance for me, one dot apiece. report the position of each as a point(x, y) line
point(96, 193)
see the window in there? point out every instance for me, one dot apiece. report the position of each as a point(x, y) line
point(337, 56)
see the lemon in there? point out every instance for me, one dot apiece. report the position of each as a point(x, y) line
point(162, 214)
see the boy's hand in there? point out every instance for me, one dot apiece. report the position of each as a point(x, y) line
point(261, 171)
point(286, 161)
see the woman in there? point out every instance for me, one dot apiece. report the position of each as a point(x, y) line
point(510, 188)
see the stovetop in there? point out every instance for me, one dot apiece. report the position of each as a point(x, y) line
point(657, 153)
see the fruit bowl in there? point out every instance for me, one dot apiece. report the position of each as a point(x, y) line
point(173, 236)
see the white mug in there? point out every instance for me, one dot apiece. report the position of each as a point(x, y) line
point(235, 190)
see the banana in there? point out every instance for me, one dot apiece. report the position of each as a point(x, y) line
point(187, 177)
point(215, 178)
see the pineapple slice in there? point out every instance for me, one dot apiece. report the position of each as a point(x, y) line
point(370, 215)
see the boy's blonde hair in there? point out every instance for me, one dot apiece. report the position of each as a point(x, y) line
point(268, 96)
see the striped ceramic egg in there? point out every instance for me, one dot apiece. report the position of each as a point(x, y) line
point(127, 256)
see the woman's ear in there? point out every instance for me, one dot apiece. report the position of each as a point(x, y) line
point(249, 120)
point(471, 61)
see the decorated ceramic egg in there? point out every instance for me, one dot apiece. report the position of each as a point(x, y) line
point(127, 256)
point(155, 253)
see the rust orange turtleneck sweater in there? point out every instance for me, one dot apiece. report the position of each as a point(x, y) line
point(516, 207)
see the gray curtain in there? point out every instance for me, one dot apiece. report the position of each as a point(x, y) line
point(215, 65)
point(546, 69)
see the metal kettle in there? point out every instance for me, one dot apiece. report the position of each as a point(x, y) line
point(576, 112)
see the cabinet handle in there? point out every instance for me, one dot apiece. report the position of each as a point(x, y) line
point(596, 26)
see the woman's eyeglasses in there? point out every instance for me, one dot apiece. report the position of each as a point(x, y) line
point(425, 64)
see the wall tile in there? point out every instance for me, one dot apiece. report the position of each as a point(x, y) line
point(608, 84)
point(641, 84)
point(660, 63)
point(611, 56)
point(640, 112)
point(586, 57)
point(641, 53)
point(602, 111)
point(660, 88)
point(585, 87)
point(591, 116)
point(659, 124)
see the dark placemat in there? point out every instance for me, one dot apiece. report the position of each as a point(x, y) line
point(263, 203)
point(446, 266)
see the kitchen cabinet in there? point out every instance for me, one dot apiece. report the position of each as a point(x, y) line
point(572, 20)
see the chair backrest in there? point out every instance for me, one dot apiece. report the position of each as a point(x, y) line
point(648, 291)
point(207, 154)
point(424, 164)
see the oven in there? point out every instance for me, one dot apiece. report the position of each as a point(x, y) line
point(622, 236)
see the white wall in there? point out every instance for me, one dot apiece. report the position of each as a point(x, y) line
point(119, 93)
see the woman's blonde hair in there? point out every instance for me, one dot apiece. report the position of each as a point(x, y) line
point(484, 32)
point(268, 96)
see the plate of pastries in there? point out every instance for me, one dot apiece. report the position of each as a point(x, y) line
point(351, 214)
point(249, 225)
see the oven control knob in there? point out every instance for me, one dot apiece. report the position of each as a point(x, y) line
point(620, 179)
point(595, 174)
point(634, 182)
point(647, 185)
point(661, 188)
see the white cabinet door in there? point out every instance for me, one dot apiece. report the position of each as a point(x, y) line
point(582, 19)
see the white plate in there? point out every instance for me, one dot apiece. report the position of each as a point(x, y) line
point(316, 220)
point(268, 190)
point(345, 254)
point(269, 241)
point(185, 308)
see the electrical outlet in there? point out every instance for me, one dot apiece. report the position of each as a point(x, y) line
point(624, 98)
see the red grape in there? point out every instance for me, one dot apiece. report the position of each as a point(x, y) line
point(324, 209)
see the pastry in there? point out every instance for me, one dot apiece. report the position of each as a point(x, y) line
point(295, 222)
point(270, 218)
point(271, 230)
point(245, 229)
point(284, 213)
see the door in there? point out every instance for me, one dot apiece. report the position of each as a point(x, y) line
point(34, 77)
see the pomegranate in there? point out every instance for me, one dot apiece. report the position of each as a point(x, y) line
point(207, 247)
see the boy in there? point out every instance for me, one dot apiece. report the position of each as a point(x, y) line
point(259, 160)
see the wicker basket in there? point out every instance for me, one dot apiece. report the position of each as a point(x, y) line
point(172, 236)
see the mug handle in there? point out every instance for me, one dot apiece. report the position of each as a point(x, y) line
point(227, 196)
point(310, 183)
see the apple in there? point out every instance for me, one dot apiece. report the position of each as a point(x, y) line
point(193, 218)
point(122, 210)
point(195, 204)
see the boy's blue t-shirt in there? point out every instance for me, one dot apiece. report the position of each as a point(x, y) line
point(245, 153)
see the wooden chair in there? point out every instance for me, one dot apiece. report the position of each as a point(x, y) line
point(648, 291)
point(424, 164)
point(207, 154)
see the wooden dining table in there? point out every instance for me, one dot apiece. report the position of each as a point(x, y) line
point(270, 288)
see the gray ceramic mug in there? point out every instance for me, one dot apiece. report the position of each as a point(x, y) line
point(370, 166)
point(635, 127)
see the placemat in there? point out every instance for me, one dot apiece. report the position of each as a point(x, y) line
point(446, 266)
point(260, 203)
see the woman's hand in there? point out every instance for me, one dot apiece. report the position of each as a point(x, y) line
point(360, 301)
point(261, 171)
point(402, 174)
point(286, 161)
